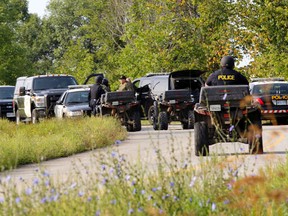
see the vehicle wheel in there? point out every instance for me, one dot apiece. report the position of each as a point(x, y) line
point(34, 117)
point(129, 127)
point(255, 139)
point(163, 121)
point(191, 119)
point(17, 116)
point(155, 117)
point(136, 117)
point(201, 139)
point(150, 114)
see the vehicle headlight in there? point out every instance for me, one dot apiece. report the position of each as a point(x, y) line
point(39, 101)
point(75, 113)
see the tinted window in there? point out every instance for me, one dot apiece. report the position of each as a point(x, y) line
point(6, 92)
point(191, 84)
point(77, 97)
point(42, 83)
point(271, 88)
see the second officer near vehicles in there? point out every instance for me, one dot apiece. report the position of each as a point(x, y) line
point(95, 94)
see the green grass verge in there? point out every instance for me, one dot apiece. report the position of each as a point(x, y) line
point(27, 143)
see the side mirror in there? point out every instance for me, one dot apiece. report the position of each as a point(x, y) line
point(22, 91)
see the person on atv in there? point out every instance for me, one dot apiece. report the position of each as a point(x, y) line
point(105, 85)
point(226, 75)
point(125, 85)
point(95, 94)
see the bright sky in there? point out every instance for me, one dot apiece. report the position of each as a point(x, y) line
point(37, 6)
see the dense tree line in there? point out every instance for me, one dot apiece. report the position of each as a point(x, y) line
point(134, 37)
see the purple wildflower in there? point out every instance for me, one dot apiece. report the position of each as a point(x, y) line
point(97, 213)
point(113, 154)
point(8, 178)
point(192, 181)
point(81, 193)
point(36, 181)
point(130, 211)
point(117, 142)
point(127, 177)
point(113, 202)
point(154, 189)
point(103, 167)
point(46, 173)
point(213, 207)
point(172, 184)
point(143, 192)
point(140, 209)
point(2, 199)
point(28, 191)
point(104, 181)
point(73, 185)
point(17, 200)
point(226, 202)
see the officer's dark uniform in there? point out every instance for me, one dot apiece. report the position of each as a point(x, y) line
point(95, 94)
point(226, 75)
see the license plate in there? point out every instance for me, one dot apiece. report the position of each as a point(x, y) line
point(172, 101)
point(282, 102)
point(115, 103)
point(215, 108)
point(10, 115)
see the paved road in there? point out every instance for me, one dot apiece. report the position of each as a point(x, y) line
point(143, 145)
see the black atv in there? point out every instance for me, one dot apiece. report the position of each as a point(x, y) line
point(124, 106)
point(227, 114)
point(174, 105)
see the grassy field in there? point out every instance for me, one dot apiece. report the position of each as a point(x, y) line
point(120, 187)
point(28, 143)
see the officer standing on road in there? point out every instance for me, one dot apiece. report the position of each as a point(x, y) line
point(124, 85)
point(95, 94)
point(226, 75)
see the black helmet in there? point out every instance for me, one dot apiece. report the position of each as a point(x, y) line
point(228, 62)
point(105, 82)
point(98, 79)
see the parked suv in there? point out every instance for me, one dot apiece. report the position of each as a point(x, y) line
point(6, 97)
point(36, 96)
point(272, 96)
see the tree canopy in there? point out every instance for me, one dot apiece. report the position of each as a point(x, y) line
point(135, 37)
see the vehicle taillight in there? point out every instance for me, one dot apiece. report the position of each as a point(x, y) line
point(260, 101)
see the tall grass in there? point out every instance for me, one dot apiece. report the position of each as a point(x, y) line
point(23, 144)
point(174, 187)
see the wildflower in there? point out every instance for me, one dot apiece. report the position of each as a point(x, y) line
point(103, 167)
point(73, 185)
point(28, 191)
point(150, 197)
point(190, 199)
point(2, 199)
point(111, 170)
point(35, 181)
point(130, 211)
point(192, 181)
point(154, 189)
point(172, 184)
point(45, 173)
point(81, 193)
point(161, 211)
point(164, 197)
point(176, 198)
point(226, 202)
point(17, 200)
point(213, 207)
point(127, 177)
point(134, 191)
point(113, 202)
point(231, 128)
point(140, 209)
point(104, 181)
point(8, 178)
point(241, 149)
point(54, 198)
point(97, 213)
point(43, 200)
point(229, 186)
point(113, 154)
point(47, 183)
point(143, 192)
point(21, 179)
point(117, 142)
point(185, 165)
point(89, 199)
point(133, 183)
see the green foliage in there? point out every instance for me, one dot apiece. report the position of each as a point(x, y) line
point(25, 144)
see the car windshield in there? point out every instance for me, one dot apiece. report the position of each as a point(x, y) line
point(6, 92)
point(271, 88)
point(77, 97)
point(57, 82)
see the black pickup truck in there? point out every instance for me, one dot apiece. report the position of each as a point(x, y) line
point(6, 98)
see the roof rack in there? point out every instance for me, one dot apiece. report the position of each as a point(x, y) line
point(156, 74)
point(267, 79)
point(78, 86)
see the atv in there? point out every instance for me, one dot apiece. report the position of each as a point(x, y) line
point(227, 114)
point(122, 105)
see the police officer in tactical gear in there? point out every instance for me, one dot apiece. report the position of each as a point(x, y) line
point(105, 85)
point(226, 75)
point(95, 94)
point(125, 85)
